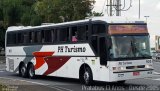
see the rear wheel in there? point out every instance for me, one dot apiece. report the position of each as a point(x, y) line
point(23, 70)
point(86, 76)
point(31, 71)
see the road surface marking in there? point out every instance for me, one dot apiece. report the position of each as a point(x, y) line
point(59, 88)
point(1, 70)
point(158, 79)
point(24, 81)
point(47, 85)
point(63, 88)
point(157, 73)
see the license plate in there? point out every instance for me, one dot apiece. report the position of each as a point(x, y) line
point(136, 73)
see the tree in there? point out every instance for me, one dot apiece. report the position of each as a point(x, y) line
point(63, 10)
point(97, 14)
point(12, 10)
point(76, 9)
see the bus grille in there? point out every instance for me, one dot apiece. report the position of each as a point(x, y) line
point(133, 67)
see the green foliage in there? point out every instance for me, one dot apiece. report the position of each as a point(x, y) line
point(97, 14)
point(63, 10)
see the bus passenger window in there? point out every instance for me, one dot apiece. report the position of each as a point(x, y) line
point(11, 38)
point(48, 36)
point(31, 37)
point(82, 33)
point(42, 36)
point(38, 37)
point(20, 38)
point(52, 36)
point(63, 34)
point(74, 34)
point(98, 28)
point(26, 37)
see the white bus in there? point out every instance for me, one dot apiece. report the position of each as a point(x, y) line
point(97, 49)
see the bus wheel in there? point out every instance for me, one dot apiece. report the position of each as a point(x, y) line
point(31, 71)
point(87, 77)
point(23, 70)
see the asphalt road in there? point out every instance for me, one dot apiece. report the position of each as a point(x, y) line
point(42, 83)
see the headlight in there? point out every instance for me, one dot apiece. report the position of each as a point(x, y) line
point(119, 68)
point(148, 66)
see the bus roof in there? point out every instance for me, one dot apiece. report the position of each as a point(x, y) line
point(104, 19)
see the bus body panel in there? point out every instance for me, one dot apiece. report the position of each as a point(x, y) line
point(57, 58)
point(131, 69)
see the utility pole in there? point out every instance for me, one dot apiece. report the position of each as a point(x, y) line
point(118, 6)
point(139, 9)
point(110, 7)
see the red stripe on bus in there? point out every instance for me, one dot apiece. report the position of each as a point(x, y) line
point(40, 58)
point(54, 63)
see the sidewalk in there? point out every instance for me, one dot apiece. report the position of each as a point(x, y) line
point(20, 85)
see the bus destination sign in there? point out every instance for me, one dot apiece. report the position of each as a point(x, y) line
point(127, 29)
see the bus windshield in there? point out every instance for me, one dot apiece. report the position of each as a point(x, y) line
point(130, 46)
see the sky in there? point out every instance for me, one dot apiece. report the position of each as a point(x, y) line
point(149, 8)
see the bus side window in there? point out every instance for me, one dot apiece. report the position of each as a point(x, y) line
point(11, 38)
point(55, 35)
point(37, 37)
point(63, 34)
point(48, 36)
point(32, 37)
point(74, 34)
point(98, 28)
point(42, 36)
point(82, 32)
point(52, 35)
point(20, 38)
point(26, 37)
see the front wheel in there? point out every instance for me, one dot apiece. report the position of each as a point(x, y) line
point(31, 71)
point(86, 76)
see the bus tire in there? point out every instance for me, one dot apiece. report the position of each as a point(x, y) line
point(23, 70)
point(31, 71)
point(86, 76)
